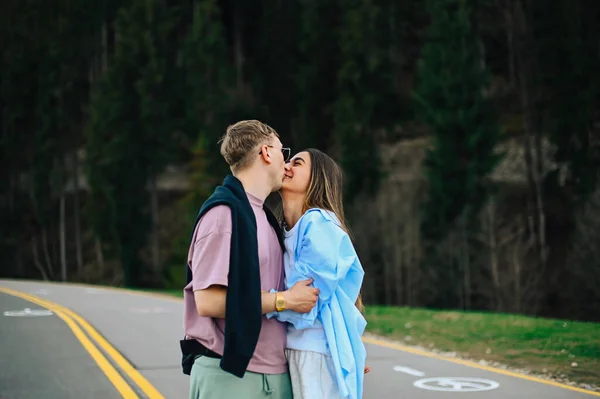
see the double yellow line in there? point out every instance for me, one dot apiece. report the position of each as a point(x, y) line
point(76, 323)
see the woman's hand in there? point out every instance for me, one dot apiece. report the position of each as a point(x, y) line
point(367, 369)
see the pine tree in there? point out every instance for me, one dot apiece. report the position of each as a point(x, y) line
point(315, 74)
point(130, 135)
point(568, 75)
point(361, 80)
point(451, 102)
point(274, 68)
point(208, 80)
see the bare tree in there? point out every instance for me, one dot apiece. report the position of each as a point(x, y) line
point(390, 226)
point(529, 93)
point(154, 243)
point(99, 253)
point(490, 213)
point(506, 254)
point(584, 257)
point(77, 212)
point(36, 258)
point(506, 8)
point(63, 237)
point(59, 165)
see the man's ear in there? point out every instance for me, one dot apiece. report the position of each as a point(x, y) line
point(265, 154)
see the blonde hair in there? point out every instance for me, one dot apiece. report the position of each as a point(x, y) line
point(325, 191)
point(241, 139)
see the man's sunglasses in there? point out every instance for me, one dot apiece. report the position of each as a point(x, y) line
point(285, 150)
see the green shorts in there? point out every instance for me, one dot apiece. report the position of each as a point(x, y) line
point(209, 381)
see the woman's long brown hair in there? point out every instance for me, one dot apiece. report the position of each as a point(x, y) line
point(325, 191)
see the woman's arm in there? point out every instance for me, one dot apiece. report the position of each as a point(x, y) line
point(324, 257)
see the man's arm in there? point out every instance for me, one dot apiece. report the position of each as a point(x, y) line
point(301, 298)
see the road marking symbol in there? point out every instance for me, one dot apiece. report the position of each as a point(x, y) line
point(456, 384)
point(472, 364)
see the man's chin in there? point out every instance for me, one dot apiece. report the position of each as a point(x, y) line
point(277, 187)
point(285, 186)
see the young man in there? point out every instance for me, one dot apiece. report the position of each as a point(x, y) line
point(235, 260)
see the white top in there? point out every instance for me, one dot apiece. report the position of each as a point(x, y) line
point(309, 339)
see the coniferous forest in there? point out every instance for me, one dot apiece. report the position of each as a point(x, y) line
point(468, 131)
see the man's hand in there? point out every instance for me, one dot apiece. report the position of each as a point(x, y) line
point(301, 297)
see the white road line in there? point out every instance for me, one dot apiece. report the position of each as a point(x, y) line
point(410, 371)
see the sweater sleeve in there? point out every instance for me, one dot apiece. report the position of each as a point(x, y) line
point(326, 254)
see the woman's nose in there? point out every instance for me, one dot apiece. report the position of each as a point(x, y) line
point(288, 167)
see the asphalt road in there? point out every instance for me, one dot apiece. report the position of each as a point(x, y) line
point(106, 343)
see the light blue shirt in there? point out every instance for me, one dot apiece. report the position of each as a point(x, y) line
point(323, 251)
point(306, 339)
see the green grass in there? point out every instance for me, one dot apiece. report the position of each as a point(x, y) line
point(544, 346)
point(541, 345)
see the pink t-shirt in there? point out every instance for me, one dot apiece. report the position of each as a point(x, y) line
point(209, 261)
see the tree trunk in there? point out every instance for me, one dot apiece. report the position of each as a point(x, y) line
point(104, 38)
point(493, 245)
point(398, 244)
point(63, 238)
point(20, 269)
point(510, 41)
point(47, 253)
point(517, 276)
point(410, 261)
point(412, 271)
point(76, 215)
point(11, 208)
point(388, 268)
point(532, 132)
point(11, 193)
point(99, 254)
point(238, 46)
point(36, 258)
point(465, 260)
point(540, 199)
point(155, 238)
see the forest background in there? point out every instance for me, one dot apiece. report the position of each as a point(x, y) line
point(468, 131)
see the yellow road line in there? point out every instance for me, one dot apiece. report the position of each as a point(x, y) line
point(369, 340)
point(128, 369)
point(111, 373)
point(468, 363)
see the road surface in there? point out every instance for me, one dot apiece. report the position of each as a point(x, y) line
point(63, 341)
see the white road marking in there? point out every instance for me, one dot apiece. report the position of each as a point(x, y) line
point(408, 370)
point(27, 312)
point(456, 384)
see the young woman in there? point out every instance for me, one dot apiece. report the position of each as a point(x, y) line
point(325, 352)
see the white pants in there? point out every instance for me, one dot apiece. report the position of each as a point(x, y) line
point(312, 375)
